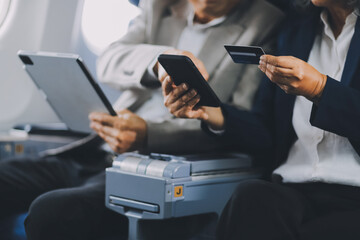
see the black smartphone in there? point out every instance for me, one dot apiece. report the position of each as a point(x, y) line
point(182, 70)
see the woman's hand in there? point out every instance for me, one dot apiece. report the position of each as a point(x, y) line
point(294, 76)
point(181, 102)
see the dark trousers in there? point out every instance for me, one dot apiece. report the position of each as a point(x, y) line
point(260, 210)
point(64, 199)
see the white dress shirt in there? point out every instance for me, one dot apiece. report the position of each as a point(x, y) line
point(194, 35)
point(318, 155)
point(192, 39)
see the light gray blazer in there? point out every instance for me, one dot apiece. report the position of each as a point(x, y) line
point(123, 65)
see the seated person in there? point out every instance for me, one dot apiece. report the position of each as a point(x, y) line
point(189, 27)
point(306, 121)
point(64, 191)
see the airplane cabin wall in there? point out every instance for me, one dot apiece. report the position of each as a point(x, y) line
point(46, 25)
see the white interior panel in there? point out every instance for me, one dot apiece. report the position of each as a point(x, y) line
point(48, 25)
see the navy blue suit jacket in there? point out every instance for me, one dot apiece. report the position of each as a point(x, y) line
point(268, 128)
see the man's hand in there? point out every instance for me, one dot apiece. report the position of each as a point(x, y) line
point(125, 132)
point(162, 74)
point(181, 102)
point(294, 76)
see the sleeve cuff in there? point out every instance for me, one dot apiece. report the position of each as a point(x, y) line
point(149, 78)
point(216, 132)
point(317, 111)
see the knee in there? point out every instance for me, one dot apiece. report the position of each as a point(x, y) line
point(251, 188)
point(251, 192)
point(47, 215)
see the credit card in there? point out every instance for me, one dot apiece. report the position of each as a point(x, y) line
point(245, 54)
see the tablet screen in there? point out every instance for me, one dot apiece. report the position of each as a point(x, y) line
point(67, 85)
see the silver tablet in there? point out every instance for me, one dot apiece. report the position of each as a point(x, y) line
point(67, 85)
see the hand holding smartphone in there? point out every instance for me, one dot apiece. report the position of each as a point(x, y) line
point(182, 70)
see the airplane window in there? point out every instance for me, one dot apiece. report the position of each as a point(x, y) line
point(4, 7)
point(103, 22)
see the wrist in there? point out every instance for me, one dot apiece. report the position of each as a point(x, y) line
point(319, 89)
point(215, 119)
point(156, 69)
